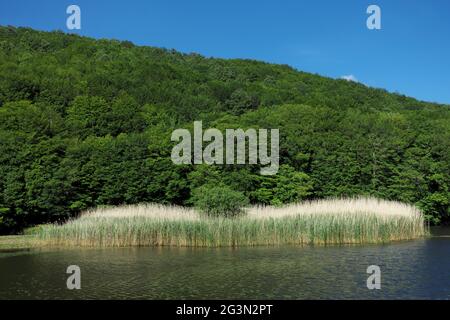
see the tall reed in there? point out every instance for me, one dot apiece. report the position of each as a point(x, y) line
point(337, 221)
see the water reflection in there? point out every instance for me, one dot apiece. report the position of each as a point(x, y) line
point(413, 269)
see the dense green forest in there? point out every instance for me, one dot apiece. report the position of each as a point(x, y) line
point(87, 122)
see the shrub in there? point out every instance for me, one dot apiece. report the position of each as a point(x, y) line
point(219, 201)
point(33, 230)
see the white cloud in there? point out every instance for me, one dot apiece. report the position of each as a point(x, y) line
point(350, 77)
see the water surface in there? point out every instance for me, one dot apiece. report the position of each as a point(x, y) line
point(410, 269)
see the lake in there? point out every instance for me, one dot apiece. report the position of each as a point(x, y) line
point(417, 269)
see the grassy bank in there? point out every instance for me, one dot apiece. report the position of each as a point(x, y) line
point(19, 242)
point(351, 221)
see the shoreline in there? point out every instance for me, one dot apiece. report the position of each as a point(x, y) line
point(17, 243)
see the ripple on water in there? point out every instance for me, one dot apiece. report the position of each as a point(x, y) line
point(411, 269)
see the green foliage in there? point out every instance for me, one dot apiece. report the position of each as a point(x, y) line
point(87, 122)
point(286, 187)
point(34, 230)
point(219, 201)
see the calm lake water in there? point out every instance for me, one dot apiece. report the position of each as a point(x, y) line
point(412, 269)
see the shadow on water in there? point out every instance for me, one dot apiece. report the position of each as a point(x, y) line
point(410, 269)
point(440, 232)
point(15, 250)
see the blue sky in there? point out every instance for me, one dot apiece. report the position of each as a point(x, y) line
point(409, 55)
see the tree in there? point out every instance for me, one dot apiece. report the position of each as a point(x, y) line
point(219, 201)
point(286, 187)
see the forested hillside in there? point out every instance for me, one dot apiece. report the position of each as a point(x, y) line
point(87, 122)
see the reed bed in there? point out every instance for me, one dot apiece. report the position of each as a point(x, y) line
point(335, 221)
